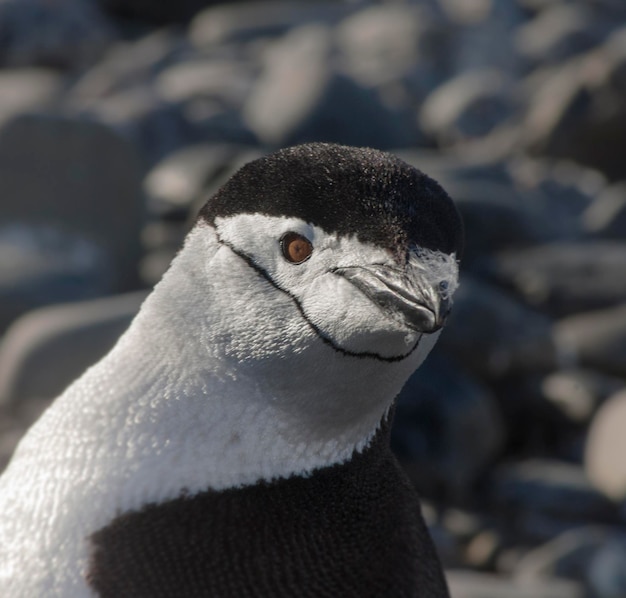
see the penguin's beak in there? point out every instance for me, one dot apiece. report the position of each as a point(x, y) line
point(423, 306)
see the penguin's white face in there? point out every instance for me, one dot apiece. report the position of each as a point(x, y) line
point(354, 296)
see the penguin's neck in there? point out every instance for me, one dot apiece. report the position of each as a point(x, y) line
point(202, 392)
point(169, 422)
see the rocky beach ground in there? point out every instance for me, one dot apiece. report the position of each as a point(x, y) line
point(118, 118)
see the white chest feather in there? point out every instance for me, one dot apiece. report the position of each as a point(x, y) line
point(214, 385)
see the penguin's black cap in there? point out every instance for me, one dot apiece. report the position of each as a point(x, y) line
point(347, 190)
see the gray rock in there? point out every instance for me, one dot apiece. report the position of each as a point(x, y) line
point(42, 264)
point(563, 278)
point(156, 127)
point(68, 34)
point(606, 216)
point(578, 392)
point(295, 77)
point(177, 181)
point(243, 21)
point(45, 350)
point(614, 53)
point(496, 217)
point(464, 524)
point(481, 34)
point(536, 6)
point(557, 107)
point(446, 544)
point(606, 577)
point(576, 111)
point(27, 89)
point(212, 184)
point(469, 106)
point(594, 339)
point(224, 82)
point(558, 33)
point(299, 97)
point(493, 335)
point(126, 64)
point(592, 556)
point(536, 425)
point(606, 446)
point(466, 584)
point(447, 428)
point(483, 549)
point(77, 178)
point(557, 193)
point(459, 168)
point(393, 44)
point(545, 497)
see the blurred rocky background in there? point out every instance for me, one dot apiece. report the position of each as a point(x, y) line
point(118, 118)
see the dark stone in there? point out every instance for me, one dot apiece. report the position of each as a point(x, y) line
point(494, 335)
point(458, 168)
point(155, 127)
point(605, 448)
point(178, 180)
point(127, 64)
point(540, 498)
point(209, 84)
point(68, 34)
point(606, 574)
point(447, 428)
point(563, 278)
point(605, 218)
point(557, 193)
point(594, 339)
point(299, 97)
point(469, 106)
point(558, 33)
point(592, 556)
point(535, 425)
point(45, 350)
point(42, 264)
point(73, 189)
point(614, 52)
point(557, 108)
point(496, 217)
point(400, 46)
point(27, 89)
point(577, 111)
point(467, 584)
point(483, 549)
point(481, 33)
point(244, 21)
point(578, 393)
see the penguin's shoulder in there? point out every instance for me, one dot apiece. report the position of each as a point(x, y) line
point(353, 529)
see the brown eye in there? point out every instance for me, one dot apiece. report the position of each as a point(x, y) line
point(295, 247)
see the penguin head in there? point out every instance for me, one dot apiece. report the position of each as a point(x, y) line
point(321, 262)
point(364, 246)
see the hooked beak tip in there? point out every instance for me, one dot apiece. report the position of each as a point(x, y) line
point(423, 310)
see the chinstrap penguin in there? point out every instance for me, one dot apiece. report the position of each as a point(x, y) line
point(234, 443)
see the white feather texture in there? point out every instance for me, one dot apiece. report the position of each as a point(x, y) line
point(221, 380)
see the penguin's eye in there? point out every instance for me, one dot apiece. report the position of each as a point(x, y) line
point(296, 248)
